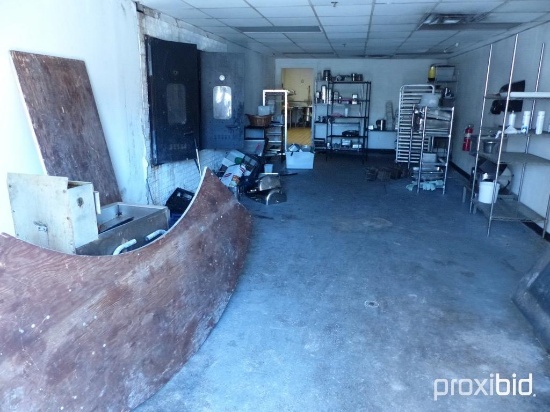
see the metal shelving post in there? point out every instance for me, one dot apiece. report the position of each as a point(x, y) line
point(509, 207)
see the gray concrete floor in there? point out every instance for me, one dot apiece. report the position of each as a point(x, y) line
point(357, 295)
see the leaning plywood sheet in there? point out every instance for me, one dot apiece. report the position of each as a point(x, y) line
point(103, 333)
point(532, 297)
point(65, 121)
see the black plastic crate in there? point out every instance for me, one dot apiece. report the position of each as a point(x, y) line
point(179, 200)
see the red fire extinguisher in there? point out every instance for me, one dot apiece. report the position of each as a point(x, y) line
point(467, 144)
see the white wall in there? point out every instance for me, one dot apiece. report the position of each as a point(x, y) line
point(106, 35)
point(82, 30)
point(472, 68)
point(386, 75)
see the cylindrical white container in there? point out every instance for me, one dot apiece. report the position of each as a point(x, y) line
point(540, 122)
point(346, 112)
point(525, 122)
point(511, 119)
point(486, 191)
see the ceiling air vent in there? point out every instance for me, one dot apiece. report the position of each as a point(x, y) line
point(458, 21)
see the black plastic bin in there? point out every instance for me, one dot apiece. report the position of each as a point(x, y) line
point(179, 200)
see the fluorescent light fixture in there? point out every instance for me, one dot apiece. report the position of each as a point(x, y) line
point(279, 29)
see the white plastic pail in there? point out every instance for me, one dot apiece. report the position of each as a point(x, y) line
point(486, 192)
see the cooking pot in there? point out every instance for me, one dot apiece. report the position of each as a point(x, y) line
point(381, 124)
point(489, 146)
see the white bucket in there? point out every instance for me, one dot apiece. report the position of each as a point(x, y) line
point(486, 192)
point(268, 168)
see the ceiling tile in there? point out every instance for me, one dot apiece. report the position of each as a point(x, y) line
point(310, 37)
point(209, 4)
point(341, 2)
point(393, 27)
point(237, 13)
point(205, 23)
point(384, 22)
point(343, 11)
point(389, 35)
point(350, 30)
point(398, 19)
point(513, 17)
point(293, 12)
point(342, 35)
point(467, 8)
point(349, 43)
point(405, 8)
point(525, 6)
point(246, 22)
point(344, 21)
point(280, 3)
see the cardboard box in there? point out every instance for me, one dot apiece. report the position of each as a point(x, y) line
point(299, 160)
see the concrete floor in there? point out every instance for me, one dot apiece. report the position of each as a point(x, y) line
point(357, 295)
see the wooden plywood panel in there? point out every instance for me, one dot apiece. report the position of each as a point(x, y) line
point(65, 121)
point(103, 333)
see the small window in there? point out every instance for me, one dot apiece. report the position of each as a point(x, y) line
point(175, 103)
point(222, 102)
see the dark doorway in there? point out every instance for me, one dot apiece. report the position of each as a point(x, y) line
point(222, 101)
point(173, 81)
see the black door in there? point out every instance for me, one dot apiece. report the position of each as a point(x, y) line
point(174, 93)
point(222, 100)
